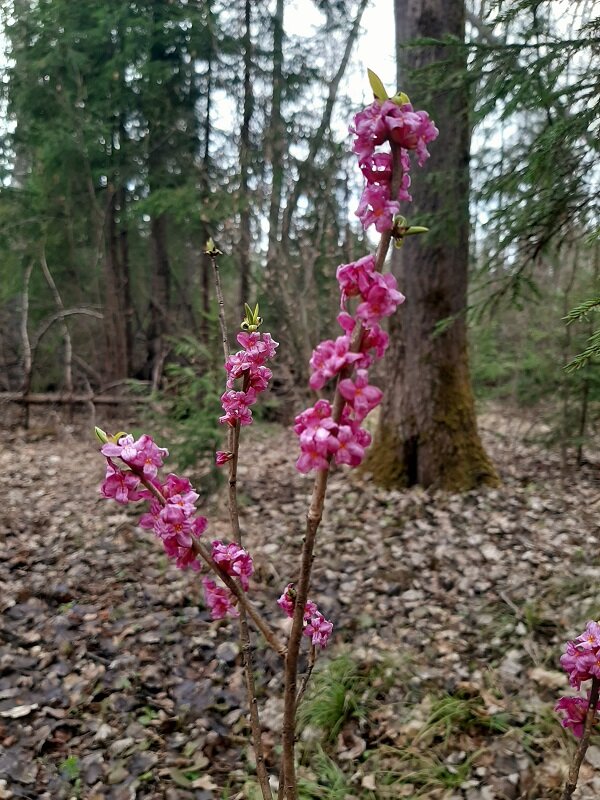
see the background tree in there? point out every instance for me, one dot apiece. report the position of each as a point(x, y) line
point(427, 432)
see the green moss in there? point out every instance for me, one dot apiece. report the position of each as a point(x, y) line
point(463, 462)
point(384, 459)
point(459, 463)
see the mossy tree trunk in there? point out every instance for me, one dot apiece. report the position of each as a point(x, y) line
point(427, 432)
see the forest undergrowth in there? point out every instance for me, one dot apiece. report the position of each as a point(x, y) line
point(450, 614)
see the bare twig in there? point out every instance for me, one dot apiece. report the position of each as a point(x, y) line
point(245, 643)
point(590, 719)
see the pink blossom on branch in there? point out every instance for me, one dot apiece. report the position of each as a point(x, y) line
point(121, 485)
point(412, 130)
point(578, 662)
point(316, 627)
point(234, 560)
point(574, 710)
point(377, 208)
point(349, 450)
point(222, 457)
point(143, 453)
point(356, 278)
point(328, 359)
point(236, 407)
point(219, 600)
point(381, 301)
point(359, 394)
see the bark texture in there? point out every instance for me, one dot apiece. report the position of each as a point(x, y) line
point(427, 432)
point(116, 281)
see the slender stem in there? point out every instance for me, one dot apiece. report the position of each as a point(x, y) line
point(312, 657)
point(245, 610)
point(213, 260)
point(313, 519)
point(590, 719)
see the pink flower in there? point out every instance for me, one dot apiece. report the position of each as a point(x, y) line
point(222, 457)
point(376, 207)
point(376, 339)
point(377, 168)
point(174, 484)
point(349, 450)
point(235, 405)
point(360, 394)
point(287, 601)
point(316, 627)
point(121, 485)
point(412, 130)
point(379, 122)
point(311, 458)
point(143, 453)
point(186, 558)
point(356, 278)
point(219, 600)
point(173, 523)
point(364, 130)
point(328, 359)
point(403, 193)
point(382, 300)
point(234, 560)
point(125, 445)
point(590, 638)
point(577, 662)
point(313, 417)
point(575, 711)
point(149, 520)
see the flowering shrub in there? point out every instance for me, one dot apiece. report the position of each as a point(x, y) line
point(328, 432)
point(581, 660)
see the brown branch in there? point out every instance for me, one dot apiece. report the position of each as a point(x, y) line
point(590, 719)
point(313, 519)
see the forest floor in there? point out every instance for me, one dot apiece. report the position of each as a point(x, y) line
point(450, 616)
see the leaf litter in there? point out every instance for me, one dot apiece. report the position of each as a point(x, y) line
point(115, 683)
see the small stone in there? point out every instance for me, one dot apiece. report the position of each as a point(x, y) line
point(592, 756)
point(227, 652)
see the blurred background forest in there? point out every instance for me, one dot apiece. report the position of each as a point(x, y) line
point(133, 131)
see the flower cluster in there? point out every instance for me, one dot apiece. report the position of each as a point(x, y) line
point(172, 515)
point(219, 600)
point(316, 627)
point(581, 660)
point(321, 437)
point(248, 364)
point(233, 560)
point(379, 123)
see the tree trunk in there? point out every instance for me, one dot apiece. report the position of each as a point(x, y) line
point(427, 432)
point(115, 322)
point(276, 139)
point(159, 302)
point(245, 237)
